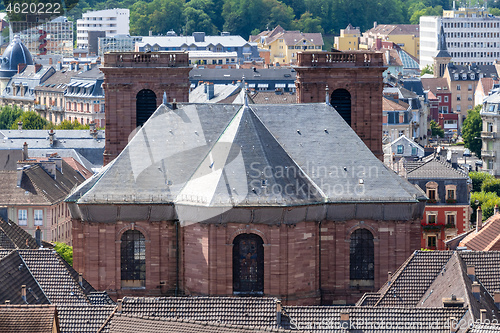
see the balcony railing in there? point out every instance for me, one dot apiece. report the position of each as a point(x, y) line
point(488, 153)
point(488, 135)
point(39, 107)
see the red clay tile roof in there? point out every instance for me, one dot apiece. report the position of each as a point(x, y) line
point(28, 318)
point(487, 239)
point(436, 85)
point(487, 84)
point(388, 105)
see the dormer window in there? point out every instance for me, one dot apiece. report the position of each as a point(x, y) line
point(432, 191)
point(464, 76)
point(455, 76)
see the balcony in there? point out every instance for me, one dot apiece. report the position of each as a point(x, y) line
point(39, 107)
point(54, 108)
point(488, 135)
point(488, 153)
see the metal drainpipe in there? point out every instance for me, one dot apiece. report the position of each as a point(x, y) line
point(319, 263)
point(176, 258)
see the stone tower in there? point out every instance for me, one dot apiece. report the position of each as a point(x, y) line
point(443, 57)
point(354, 84)
point(134, 84)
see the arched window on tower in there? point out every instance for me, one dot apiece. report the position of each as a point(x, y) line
point(248, 265)
point(133, 259)
point(341, 101)
point(362, 259)
point(145, 106)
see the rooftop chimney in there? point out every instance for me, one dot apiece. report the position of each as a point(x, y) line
point(119, 305)
point(80, 279)
point(20, 68)
point(20, 125)
point(453, 302)
point(38, 236)
point(77, 67)
point(210, 91)
point(24, 155)
point(482, 316)
point(91, 128)
point(70, 66)
point(471, 272)
point(479, 219)
point(37, 67)
point(496, 299)
point(59, 66)
point(344, 319)
point(476, 290)
point(23, 293)
point(51, 138)
point(278, 313)
point(496, 210)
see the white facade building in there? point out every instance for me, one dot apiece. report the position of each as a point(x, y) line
point(110, 21)
point(472, 36)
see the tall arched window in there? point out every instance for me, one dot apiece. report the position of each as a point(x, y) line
point(248, 265)
point(362, 259)
point(341, 101)
point(145, 106)
point(133, 259)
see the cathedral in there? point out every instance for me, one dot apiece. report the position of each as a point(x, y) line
point(287, 201)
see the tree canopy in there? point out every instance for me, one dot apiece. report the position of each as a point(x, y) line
point(242, 17)
point(471, 131)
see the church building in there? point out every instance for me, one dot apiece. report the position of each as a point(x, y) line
point(281, 201)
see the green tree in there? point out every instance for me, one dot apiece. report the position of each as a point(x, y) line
point(436, 129)
point(307, 23)
point(471, 131)
point(71, 125)
point(65, 251)
point(30, 120)
point(427, 70)
point(197, 20)
point(478, 178)
point(8, 116)
point(491, 185)
point(486, 200)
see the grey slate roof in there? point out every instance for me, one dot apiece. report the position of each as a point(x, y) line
point(233, 75)
point(79, 140)
point(436, 169)
point(253, 150)
point(83, 318)
point(370, 319)
point(13, 274)
point(259, 312)
point(467, 71)
point(120, 323)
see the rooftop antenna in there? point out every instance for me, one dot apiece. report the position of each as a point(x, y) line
point(164, 98)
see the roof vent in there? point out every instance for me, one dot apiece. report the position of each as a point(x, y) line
point(453, 302)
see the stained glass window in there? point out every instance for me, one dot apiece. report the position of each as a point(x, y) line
point(133, 259)
point(248, 264)
point(362, 264)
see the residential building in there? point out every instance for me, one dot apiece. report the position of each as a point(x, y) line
point(484, 87)
point(259, 79)
point(84, 96)
point(117, 43)
point(396, 120)
point(348, 39)
point(20, 91)
point(462, 82)
point(85, 146)
point(398, 61)
point(17, 54)
point(111, 21)
point(406, 36)
point(399, 148)
point(218, 45)
point(471, 35)
point(49, 38)
point(447, 212)
point(49, 95)
point(459, 280)
point(490, 115)
point(285, 45)
point(440, 98)
point(33, 196)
